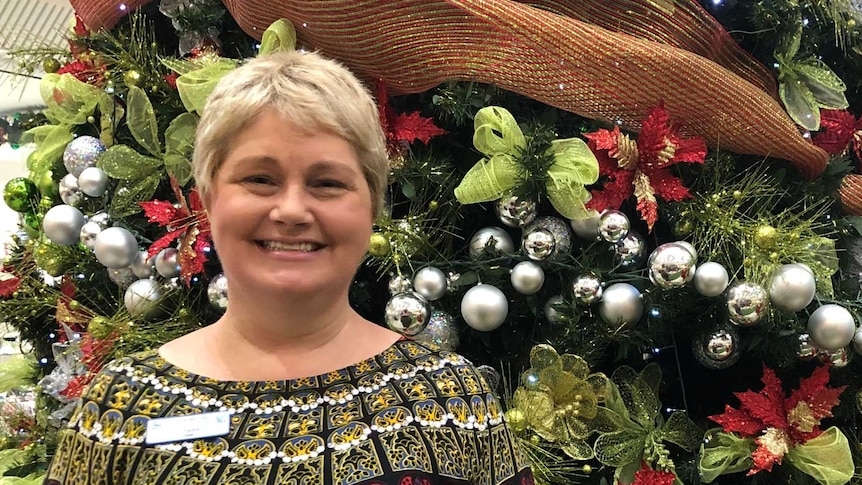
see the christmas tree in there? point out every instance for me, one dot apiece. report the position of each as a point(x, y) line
point(641, 217)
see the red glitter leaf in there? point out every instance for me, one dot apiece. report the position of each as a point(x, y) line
point(603, 139)
point(413, 126)
point(815, 392)
point(617, 188)
point(668, 186)
point(734, 420)
point(836, 131)
point(160, 212)
point(648, 476)
point(648, 210)
point(763, 459)
point(163, 242)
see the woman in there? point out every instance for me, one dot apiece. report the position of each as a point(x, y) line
point(290, 385)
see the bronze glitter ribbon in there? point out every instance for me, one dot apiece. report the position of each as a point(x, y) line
point(556, 52)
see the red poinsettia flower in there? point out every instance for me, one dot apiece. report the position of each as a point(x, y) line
point(403, 129)
point(86, 68)
point(642, 168)
point(838, 129)
point(648, 476)
point(171, 79)
point(780, 422)
point(186, 222)
point(9, 282)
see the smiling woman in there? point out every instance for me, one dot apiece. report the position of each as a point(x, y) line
point(291, 385)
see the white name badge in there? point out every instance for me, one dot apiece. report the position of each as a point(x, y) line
point(185, 428)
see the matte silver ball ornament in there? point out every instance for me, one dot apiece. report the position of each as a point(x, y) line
point(484, 307)
point(62, 224)
point(613, 226)
point(671, 265)
point(527, 277)
point(89, 232)
point(587, 228)
point(717, 348)
point(168, 263)
point(586, 289)
point(116, 247)
point(93, 181)
point(430, 282)
point(621, 304)
point(70, 192)
point(630, 253)
point(807, 349)
point(142, 299)
point(143, 266)
point(81, 153)
point(747, 303)
point(538, 244)
point(711, 279)
point(407, 313)
point(217, 292)
point(792, 287)
point(441, 332)
point(492, 239)
point(552, 315)
point(101, 218)
point(516, 211)
point(831, 327)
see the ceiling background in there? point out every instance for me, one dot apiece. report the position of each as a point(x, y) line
point(27, 24)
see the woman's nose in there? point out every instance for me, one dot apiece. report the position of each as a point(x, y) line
point(291, 206)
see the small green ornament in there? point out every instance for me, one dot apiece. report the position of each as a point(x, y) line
point(133, 77)
point(51, 65)
point(100, 327)
point(47, 186)
point(21, 194)
point(378, 245)
point(766, 237)
point(32, 225)
point(516, 419)
point(49, 257)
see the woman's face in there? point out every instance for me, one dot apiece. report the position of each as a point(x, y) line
point(290, 212)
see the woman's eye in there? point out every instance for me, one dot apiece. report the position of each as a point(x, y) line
point(259, 180)
point(331, 184)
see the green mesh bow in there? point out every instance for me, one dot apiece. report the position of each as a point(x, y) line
point(633, 406)
point(560, 400)
point(826, 458)
point(501, 140)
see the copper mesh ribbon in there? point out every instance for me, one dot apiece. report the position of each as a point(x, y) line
point(553, 51)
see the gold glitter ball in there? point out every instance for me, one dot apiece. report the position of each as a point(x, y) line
point(517, 420)
point(766, 237)
point(378, 245)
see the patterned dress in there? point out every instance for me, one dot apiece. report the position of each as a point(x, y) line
point(408, 416)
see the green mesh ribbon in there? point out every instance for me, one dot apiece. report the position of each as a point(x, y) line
point(279, 37)
point(807, 84)
point(641, 432)
point(501, 140)
point(826, 458)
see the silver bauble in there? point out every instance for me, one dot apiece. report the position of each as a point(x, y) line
point(630, 253)
point(441, 332)
point(527, 277)
point(399, 284)
point(217, 292)
point(142, 298)
point(792, 287)
point(484, 307)
point(89, 232)
point(613, 226)
point(62, 224)
point(586, 289)
point(93, 181)
point(831, 327)
point(807, 349)
point(747, 303)
point(430, 282)
point(621, 304)
point(81, 153)
point(717, 348)
point(123, 277)
point(538, 244)
point(671, 265)
point(586, 228)
point(116, 247)
point(101, 218)
point(143, 265)
point(515, 211)
point(690, 248)
point(70, 192)
point(168, 263)
point(502, 242)
point(711, 279)
point(838, 358)
point(857, 341)
point(558, 229)
point(407, 313)
point(552, 315)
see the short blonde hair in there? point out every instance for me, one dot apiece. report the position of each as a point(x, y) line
point(306, 89)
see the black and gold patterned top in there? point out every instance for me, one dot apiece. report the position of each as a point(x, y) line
point(410, 415)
